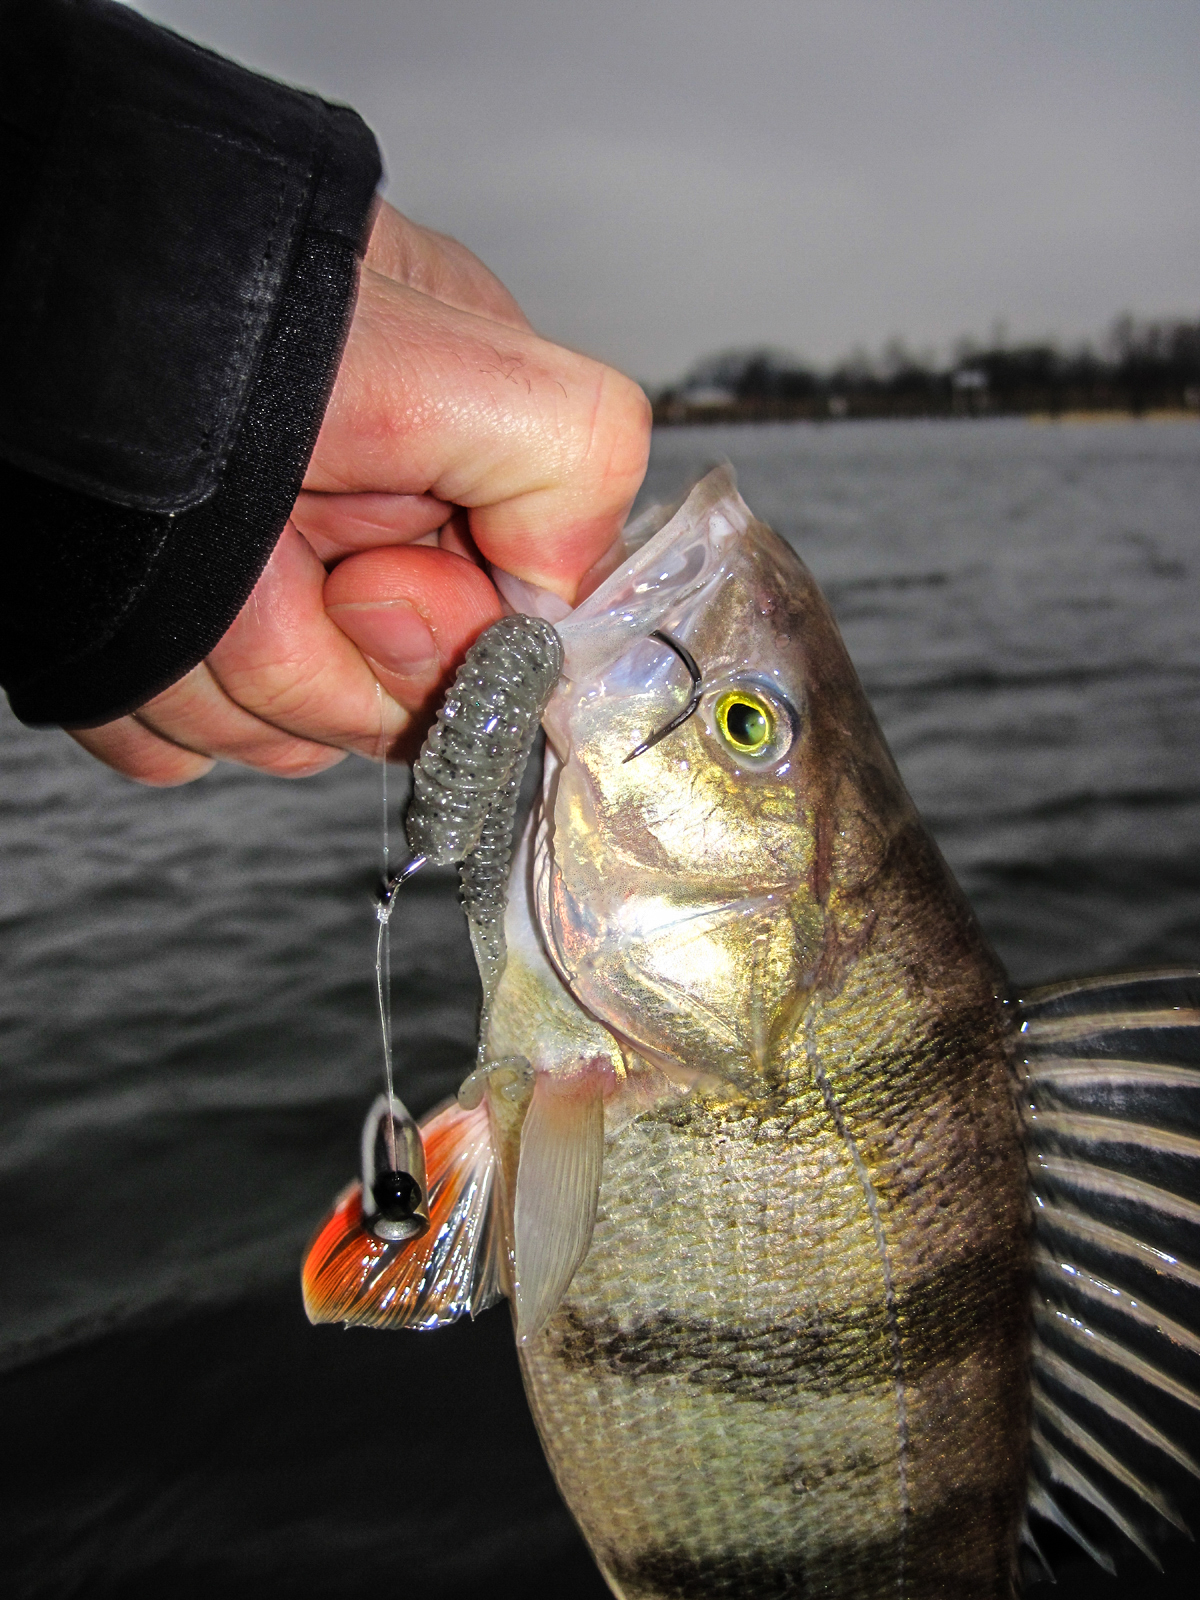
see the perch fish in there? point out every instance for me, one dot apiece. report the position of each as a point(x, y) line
point(833, 1260)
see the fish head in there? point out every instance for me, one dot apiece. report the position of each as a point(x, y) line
point(695, 894)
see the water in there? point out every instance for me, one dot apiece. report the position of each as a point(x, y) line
point(190, 1034)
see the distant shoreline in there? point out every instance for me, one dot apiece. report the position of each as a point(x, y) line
point(1148, 370)
point(716, 416)
point(1160, 414)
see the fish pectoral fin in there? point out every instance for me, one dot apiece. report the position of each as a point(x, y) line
point(558, 1184)
point(1110, 1077)
point(451, 1269)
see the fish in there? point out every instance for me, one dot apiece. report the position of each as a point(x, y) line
point(837, 1265)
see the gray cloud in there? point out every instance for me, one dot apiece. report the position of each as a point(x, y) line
point(656, 180)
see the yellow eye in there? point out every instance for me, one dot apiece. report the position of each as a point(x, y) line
point(746, 722)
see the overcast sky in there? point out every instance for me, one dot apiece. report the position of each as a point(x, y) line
point(659, 179)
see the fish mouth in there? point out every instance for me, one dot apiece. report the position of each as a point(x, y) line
point(667, 580)
point(673, 554)
point(671, 565)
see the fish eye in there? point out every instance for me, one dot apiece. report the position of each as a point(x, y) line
point(751, 725)
point(745, 723)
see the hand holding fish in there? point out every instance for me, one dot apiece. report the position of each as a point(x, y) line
point(454, 432)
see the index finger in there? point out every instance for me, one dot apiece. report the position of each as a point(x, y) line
point(544, 447)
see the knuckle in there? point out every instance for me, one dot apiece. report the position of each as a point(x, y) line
point(315, 715)
point(300, 761)
point(167, 770)
point(618, 442)
point(632, 433)
point(141, 755)
point(276, 687)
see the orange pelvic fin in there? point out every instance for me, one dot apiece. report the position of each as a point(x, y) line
point(351, 1276)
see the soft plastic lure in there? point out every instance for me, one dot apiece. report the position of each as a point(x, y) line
point(468, 776)
point(466, 784)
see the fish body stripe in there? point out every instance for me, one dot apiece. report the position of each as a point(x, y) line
point(889, 1296)
point(941, 1320)
point(859, 1569)
point(728, 1344)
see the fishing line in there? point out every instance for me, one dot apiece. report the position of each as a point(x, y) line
point(383, 944)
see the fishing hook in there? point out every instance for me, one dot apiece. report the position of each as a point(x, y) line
point(693, 699)
point(388, 886)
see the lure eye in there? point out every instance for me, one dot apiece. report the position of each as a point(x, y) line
point(746, 722)
point(397, 1195)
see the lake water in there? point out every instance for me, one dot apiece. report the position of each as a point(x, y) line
point(189, 1041)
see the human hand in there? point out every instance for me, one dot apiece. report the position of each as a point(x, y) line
point(453, 433)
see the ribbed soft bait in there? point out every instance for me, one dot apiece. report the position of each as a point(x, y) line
point(467, 779)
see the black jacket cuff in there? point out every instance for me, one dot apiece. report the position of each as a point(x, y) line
point(179, 245)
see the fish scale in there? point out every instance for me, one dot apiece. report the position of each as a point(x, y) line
point(752, 1368)
point(697, 1427)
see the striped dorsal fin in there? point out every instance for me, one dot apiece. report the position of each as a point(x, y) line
point(1110, 1089)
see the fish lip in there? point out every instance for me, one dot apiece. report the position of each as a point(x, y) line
point(641, 594)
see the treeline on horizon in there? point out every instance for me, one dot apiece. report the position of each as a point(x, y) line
point(1140, 367)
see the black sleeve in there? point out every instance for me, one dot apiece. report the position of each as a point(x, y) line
point(179, 244)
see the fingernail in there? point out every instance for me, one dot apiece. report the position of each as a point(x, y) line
point(393, 634)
